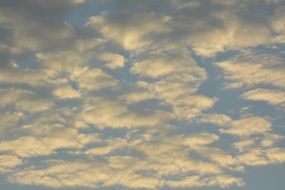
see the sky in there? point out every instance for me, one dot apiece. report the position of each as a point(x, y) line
point(142, 94)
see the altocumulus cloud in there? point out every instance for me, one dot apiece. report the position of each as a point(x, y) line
point(162, 94)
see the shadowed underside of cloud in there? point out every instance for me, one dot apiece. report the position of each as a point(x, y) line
point(137, 96)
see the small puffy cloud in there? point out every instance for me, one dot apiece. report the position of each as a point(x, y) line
point(58, 62)
point(273, 97)
point(191, 181)
point(244, 144)
point(178, 78)
point(138, 96)
point(216, 119)
point(13, 74)
point(34, 105)
point(277, 23)
point(10, 96)
point(111, 113)
point(253, 157)
point(9, 161)
point(66, 92)
point(191, 106)
point(200, 139)
point(112, 145)
point(95, 79)
point(25, 101)
point(220, 157)
point(9, 119)
point(226, 181)
point(83, 174)
point(248, 126)
point(113, 61)
point(276, 155)
point(252, 74)
point(177, 61)
point(132, 32)
point(22, 22)
point(271, 139)
point(45, 140)
point(25, 147)
point(257, 145)
point(156, 67)
point(197, 181)
point(70, 175)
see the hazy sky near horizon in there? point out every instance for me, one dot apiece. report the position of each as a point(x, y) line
point(142, 94)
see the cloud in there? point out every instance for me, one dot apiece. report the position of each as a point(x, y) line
point(21, 19)
point(277, 23)
point(113, 145)
point(169, 27)
point(196, 181)
point(216, 119)
point(276, 154)
point(111, 113)
point(157, 67)
point(9, 119)
point(217, 155)
point(113, 61)
point(8, 162)
point(95, 79)
point(201, 139)
point(81, 174)
point(138, 95)
point(253, 157)
point(59, 62)
point(132, 32)
point(273, 97)
point(34, 105)
point(25, 101)
point(244, 144)
point(25, 147)
point(252, 74)
point(66, 92)
point(248, 126)
point(45, 139)
point(13, 74)
point(191, 106)
point(175, 85)
point(130, 96)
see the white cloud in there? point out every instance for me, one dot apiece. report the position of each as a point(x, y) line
point(112, 145)
point(132, 33)
point(129, 99)
point(95, 79)
point(248, 126)
point(60, 62)
point(252, 74)
point(14, 75)
point(8, 162)
point(276, 154)
point(111, 113)
point(113, 61)
point(200, 139)
point(216, 119)
point(273, 97)
point(66, 92)
point(24, 100)
point(25, 147)
point(253, 157)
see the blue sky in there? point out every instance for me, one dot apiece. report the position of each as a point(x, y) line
point(142, 94)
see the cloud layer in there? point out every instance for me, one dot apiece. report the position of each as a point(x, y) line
point(161, 94)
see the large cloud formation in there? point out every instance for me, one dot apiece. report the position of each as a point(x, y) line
point(164, 94)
